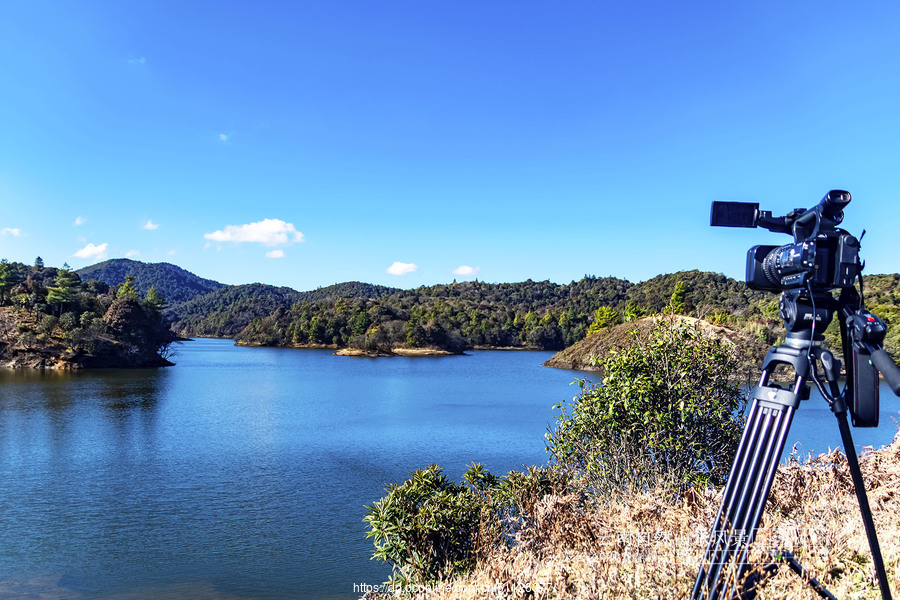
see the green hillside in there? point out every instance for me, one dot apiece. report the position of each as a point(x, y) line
point(532, 314)
point(227, 310)
point(174, 283)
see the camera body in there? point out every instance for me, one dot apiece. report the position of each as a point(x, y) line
point(822, 255)
point(828, 262)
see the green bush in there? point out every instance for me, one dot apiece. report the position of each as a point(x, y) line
point(427, 527)
point(68, 321)
point(665, 413)
point(48, 324)
point(430, 528)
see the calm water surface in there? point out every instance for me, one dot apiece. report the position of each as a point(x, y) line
point(242, 472)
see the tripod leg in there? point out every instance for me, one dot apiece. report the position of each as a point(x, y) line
point(838, 404)
point(760, 493)
point(813, 582)
point(861, 497)
point(758, 577)
point(733, 487)
point(745, 495)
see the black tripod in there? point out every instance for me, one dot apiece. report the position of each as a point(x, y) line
point(725, 573)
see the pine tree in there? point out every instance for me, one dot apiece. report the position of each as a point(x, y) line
point(154, 300)
point(7, 280)
point(63, 292)
point(677, 304)
point(127, 289)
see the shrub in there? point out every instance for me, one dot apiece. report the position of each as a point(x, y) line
point(86, 318)
point(432, 529)
point(664, 413)
point(48, 324)
point(427, 527)
point(68, 321)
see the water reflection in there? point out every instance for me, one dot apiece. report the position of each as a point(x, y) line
point(56, 389)
point(127, 390)
point(55, 587)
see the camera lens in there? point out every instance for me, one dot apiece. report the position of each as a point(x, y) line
point(787, 266)
point(772, 266)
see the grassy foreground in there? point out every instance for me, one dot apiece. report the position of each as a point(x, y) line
point(641, 547)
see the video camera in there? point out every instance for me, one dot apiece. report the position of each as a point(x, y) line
point(822, 258)
point(822, 254)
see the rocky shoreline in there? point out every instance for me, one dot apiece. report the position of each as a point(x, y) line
point(367, 352)
point(128, 347)
point(68, 361)
point(364, 353)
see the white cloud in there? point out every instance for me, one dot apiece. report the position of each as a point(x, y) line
point(131, 253)
point(79, 221)
point(269, 232)
point(137, 61)
point(11, 231)
point(275, 254)
point(92, 251)
point(466, 271)
point(171, 252)
point(401, 268)
point(223, 137)
point(150, 225)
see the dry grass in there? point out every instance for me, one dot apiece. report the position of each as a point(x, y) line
point(639, 547)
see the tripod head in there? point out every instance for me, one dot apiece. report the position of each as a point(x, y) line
point(805, 316)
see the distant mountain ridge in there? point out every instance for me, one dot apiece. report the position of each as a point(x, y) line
point(226, 311)
point(174, 283)
point(204, 307)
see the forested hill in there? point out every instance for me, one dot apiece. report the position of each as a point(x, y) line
point(203, 307)
point(174, 283)
point(457, 316)
point(228, 310)
point(349, 289)
point(534, 314)
point(224, 312)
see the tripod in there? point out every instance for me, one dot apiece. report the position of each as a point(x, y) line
point(724, 572)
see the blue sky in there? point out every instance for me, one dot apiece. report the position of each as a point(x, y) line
point(397, 142)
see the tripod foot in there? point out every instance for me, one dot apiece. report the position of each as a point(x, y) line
point(759, 576)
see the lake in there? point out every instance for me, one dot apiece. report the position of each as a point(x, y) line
point(242, 472)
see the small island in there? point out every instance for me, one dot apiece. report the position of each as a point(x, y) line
point(51, 319)
point(398, 351)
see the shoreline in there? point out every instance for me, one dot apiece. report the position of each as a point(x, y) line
point(408, 352)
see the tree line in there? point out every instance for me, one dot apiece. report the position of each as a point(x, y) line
point(461, 315)
point(534, 314)
point(538, 314)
